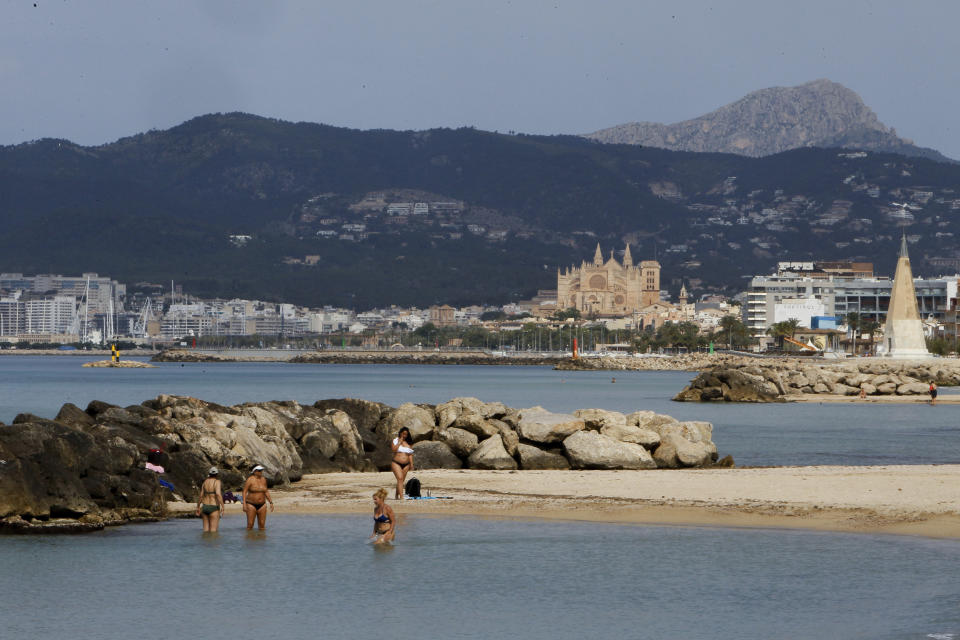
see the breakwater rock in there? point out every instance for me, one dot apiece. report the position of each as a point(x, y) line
point(86, 468)
point(123, 364)
point(362, 357)
point(683, 362)
point(778, 380)
point(424, 357)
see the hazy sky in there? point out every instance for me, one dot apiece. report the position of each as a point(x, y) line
point(96, 71)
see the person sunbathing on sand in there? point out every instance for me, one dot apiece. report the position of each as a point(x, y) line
point(384, 521)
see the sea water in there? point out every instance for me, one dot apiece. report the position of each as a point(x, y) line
point(754, 434)
point(314, 577)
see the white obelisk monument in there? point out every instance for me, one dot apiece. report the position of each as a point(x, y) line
point(903, 332)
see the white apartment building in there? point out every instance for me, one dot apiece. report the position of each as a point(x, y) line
point(103, 295)
point(839, 296)
point(49, 315)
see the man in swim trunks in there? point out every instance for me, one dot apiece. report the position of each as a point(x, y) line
point(210, 505)
point(402, 462)
point(255, 498)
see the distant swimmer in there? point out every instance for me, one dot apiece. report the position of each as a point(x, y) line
point(613, 380)
point(384, 521)
point(402, 462)
point(210, 505)
point(255, 498)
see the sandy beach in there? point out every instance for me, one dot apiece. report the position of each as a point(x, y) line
point(919, 500)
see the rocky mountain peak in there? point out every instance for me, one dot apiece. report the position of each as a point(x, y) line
point(820, 113)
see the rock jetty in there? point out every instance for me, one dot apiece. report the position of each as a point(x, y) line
point(682, 362)
point(781, 380)
point(364, 357)
point(123, 364)
point(86, 468)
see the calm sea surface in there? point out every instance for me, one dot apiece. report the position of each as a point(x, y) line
point(314, 577)
point(762, 434)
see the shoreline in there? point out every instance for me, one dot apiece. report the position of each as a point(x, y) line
point(943, 398)
point(899, 500)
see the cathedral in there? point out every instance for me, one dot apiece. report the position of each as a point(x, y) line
point(609, 288)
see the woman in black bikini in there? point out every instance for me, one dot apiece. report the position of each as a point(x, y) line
point(384, 522)
point(255, 498)
point(210, 505)
point(402, 462)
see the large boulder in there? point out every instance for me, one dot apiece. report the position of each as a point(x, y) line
point(626, 433)
point(534, 458)
point(676, 451)
point(597, 419)
point(447, 413)
point(509, 436)
point(432, 454)
point(72, 415)
point(592, 450)
point(491, 455)
point(476, 424)
point(912, 388)
point(364, 413)
point(52, 471)
point(540, 425)
point(461, 442)
point(419, 420)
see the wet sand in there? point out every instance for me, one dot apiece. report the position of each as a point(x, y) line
point(943, 398)
point(919, 500)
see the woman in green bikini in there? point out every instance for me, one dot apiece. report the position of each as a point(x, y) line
point(210, 506)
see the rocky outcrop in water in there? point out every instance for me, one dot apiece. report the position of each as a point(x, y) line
point(777, 381)
point(86, 468)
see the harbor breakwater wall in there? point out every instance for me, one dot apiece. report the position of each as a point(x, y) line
point(86, 468)
point(779, 380)
point(365, 357)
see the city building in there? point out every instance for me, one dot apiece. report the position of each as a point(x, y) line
point(609, 288)
point(840, 295)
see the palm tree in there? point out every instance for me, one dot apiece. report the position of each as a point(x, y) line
point(731, 324)
point(854, 320)
point(780, 330)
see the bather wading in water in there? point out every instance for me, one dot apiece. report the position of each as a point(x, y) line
point(384, 520)
point(402, 462)
point(255, 498)
point(210, 505)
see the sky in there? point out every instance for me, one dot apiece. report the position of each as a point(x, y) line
point(95, 71)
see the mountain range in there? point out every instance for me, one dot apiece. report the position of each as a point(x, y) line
point(816, 114)
point(235, 205)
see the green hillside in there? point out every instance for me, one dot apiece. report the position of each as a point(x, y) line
point(504, 210)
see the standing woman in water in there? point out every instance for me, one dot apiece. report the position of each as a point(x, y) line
point(402, 462)
point(255, 498)
point(210, 505)
point(384, 521)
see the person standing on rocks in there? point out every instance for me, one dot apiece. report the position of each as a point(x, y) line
point(402, 462)
point(210, 505)
point(384, 521)
point(255, 498)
